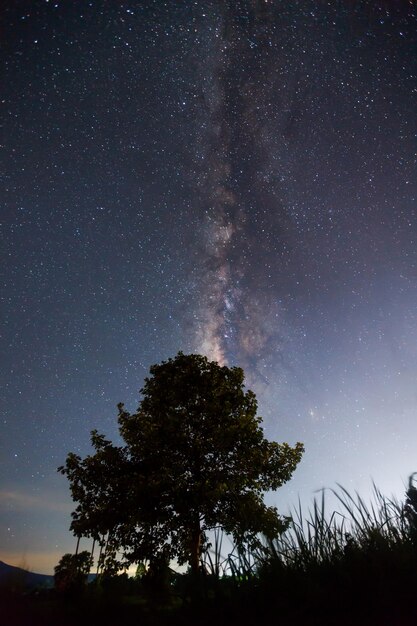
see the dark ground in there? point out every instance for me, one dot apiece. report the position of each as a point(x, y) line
point(46, 609)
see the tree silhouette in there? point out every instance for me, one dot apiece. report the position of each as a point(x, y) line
point(71, 572)
point(98, 485)
point(195, 458)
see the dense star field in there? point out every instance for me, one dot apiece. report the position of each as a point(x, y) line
point(232, 178)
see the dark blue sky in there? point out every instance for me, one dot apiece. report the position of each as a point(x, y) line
point(233, 178)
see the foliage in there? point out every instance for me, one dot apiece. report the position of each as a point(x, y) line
point(357, 528)
point(96, 484)
point(195, 458)
point(356, 565)
point(72, 571)
point(410, 509)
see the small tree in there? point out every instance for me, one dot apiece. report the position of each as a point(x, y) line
point(195, 459)
point(100, 485)
point(71, 573)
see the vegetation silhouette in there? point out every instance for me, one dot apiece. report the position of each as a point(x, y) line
point(356, 565)
point(195, 458)
point(71, 573)
point(193, 469)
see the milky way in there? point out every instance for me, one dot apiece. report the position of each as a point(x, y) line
point(246, 226)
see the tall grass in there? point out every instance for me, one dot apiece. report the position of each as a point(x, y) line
point(318, 538)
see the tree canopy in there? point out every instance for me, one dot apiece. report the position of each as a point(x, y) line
point(72, 571)
point(195, 458)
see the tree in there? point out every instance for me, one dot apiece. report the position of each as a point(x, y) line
point(195, 459)
point(71, 573)
point(99, 484)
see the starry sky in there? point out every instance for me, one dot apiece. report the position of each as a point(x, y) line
point(233, 178)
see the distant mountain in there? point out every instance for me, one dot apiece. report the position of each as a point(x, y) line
point(21, 578)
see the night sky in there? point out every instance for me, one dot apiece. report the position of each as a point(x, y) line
point(233, 178)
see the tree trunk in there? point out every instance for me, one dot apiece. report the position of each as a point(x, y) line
point(195, 550)
point(92, 554)
point(99, 556)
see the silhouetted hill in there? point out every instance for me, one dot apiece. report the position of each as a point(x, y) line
point(21, 578)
